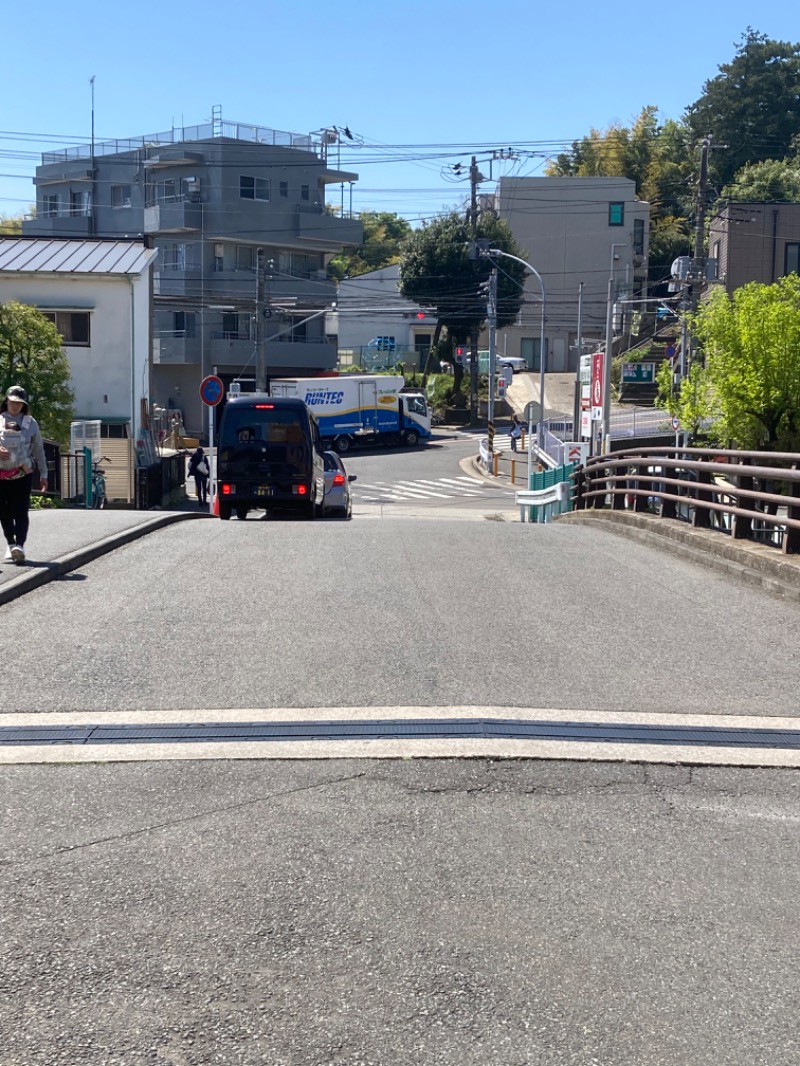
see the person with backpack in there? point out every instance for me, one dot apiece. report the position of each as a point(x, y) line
point(515, 432)
point(200, 470)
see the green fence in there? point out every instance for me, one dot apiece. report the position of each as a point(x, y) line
point(547, 479)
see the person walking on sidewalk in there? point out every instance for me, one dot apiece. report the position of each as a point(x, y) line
point(21, 449)
point(200, 470)
point(515, 432)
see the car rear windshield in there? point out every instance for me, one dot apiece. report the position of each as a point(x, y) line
point(265, 433)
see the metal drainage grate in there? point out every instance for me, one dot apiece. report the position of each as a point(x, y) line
point(402, 729)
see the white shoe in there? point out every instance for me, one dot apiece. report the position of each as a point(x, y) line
point(8, 557)
point(17, 554)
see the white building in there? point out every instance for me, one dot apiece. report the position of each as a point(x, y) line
point(99, 295)
point(370, 306)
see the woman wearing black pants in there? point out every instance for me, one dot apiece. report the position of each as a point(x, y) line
point(20, 448)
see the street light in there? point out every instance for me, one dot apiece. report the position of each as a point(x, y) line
point(486, 254)
point(606, 423)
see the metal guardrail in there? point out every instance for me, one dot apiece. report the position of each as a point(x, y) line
point(540, 505)
point(730, 492)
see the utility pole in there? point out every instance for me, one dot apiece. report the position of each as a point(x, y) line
point(609, 349)
point(576, 406)
point(491, 314)
point(697, 277)
point(261, 356)
point(475, 177)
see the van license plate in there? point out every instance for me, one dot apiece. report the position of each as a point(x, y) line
point(264, 490)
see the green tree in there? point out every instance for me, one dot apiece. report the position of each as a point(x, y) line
point(752, 345)
point(669, 238)
point(31, 355)
point(384, 234)
point(11, 225)
point(693, 402)
point(773, 179)
point(436, 272)
point(752, 106)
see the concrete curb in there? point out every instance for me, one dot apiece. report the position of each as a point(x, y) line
point(32, 579)
point(755, 564)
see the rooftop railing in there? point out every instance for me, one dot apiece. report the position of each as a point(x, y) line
point(238, 131)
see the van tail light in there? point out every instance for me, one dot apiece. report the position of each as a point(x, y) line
point(338, 479)
point(301, 490)
point(225, 489)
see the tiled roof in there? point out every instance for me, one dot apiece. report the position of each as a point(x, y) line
point(44, 255)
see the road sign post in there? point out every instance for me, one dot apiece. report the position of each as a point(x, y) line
point(211, 393)
point(534, 412)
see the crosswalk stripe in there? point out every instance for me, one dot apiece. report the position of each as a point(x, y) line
point(417, 487)
point(426, 489)
point(398, 490)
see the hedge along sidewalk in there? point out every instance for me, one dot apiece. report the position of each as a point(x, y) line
point(70, 539)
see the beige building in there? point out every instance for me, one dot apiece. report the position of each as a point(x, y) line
point(573, 231)
point(755, 242)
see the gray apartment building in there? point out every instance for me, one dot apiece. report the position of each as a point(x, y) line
point(224, 204)
point(578, 233)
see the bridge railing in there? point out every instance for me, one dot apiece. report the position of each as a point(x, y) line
point(746, 495)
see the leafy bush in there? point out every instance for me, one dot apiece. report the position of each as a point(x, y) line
point(46, 503)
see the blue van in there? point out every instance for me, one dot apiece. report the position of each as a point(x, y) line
point(269, 457)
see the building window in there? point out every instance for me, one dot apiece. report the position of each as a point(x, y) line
point(791, 259)
point(190, 189)
point(304, 192)
point(120, 196)
point(79, 202)
point(616, 214)
point(72, 325)
point(298, 264)
point(235, 327)
point(184, 324)
point(174, 257)
point(165, 191)
point(245, 257)
point(638, 236)
point(284, 188)
point(299, 329)
point(50, 205)
point(253, 188)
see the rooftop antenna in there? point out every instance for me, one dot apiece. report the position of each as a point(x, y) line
point(93, 176)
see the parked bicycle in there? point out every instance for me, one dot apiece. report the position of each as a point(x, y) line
point(99, 483)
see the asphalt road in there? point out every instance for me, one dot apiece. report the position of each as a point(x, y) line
point(435, 912)
point(441, 914)
point(390, 611)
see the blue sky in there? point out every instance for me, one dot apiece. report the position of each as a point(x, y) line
point(421, 85)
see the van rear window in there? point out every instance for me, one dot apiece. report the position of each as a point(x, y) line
point(249, 425)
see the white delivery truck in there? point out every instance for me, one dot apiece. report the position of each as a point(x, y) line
point(354, 409)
